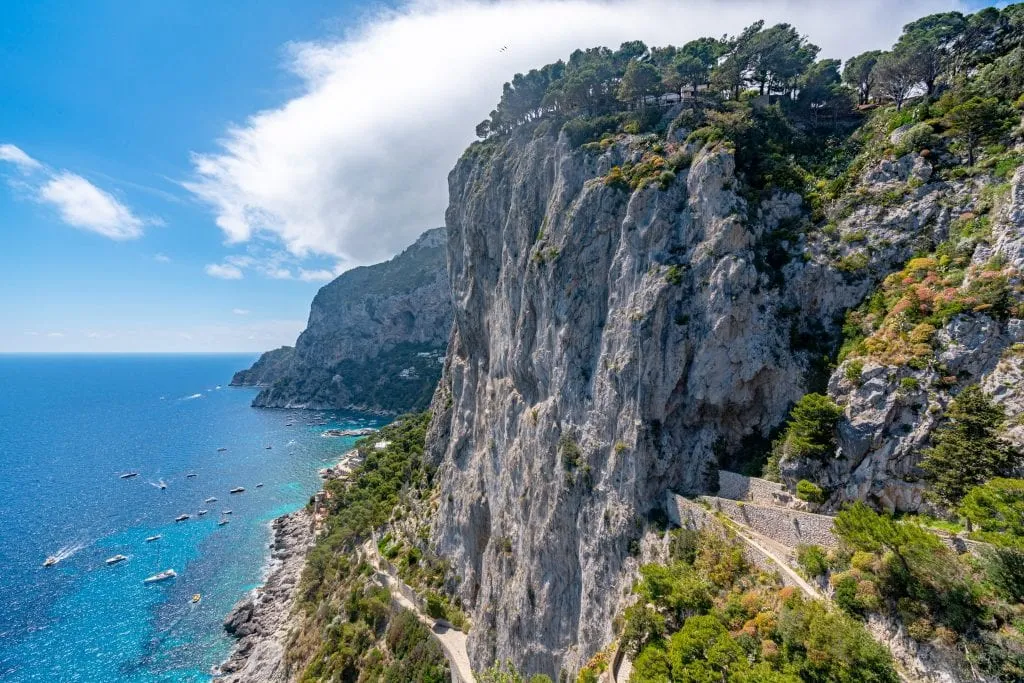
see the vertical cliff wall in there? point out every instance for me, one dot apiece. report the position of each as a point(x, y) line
point(609, 344)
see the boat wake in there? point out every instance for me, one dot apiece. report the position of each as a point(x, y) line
point(69, 550)
point(193, 396)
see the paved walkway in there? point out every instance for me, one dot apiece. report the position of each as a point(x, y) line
point(452, 640)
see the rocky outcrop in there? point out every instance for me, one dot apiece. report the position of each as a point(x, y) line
point(891, 410)
point(609, 346)
point(270, 367)
point(260, 621)
point(375, 339)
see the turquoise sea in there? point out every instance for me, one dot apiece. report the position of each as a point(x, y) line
point(69, 426)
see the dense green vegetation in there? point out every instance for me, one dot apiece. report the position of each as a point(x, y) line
point(956, 601)
point(709, 616)
point(347, 631)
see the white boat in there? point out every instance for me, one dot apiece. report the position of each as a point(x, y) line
point(238, 489)
point(150, 539)
point(203, 512)
point(181, 518)
point(190, 475)
point(162, 576)
point(226, 512)
point(51, 560)
point(268, 447)
point(223, 522)
point(129, 475)
point(116, 558)
point(221, 449)
point(211, 499)
point(259, 486)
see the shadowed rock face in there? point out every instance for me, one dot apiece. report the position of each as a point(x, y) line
point(375, 339)
point(608, 346)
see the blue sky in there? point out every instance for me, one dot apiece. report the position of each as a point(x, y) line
point(183, 175)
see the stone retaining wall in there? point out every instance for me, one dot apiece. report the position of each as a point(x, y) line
point(687, 514)
point(740, 487)
point(788, 527)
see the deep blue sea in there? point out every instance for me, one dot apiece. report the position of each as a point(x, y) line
point(69, 426)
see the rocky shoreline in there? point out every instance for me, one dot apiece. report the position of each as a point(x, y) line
point(261, 620)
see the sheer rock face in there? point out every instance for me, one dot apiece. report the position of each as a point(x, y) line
point(374, 341)
point(607, 346)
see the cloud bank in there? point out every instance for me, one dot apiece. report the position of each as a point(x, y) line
point(79, 203)
point(355, 166)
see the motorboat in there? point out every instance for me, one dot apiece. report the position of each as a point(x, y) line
point(116, 558)
point(162, 576)
point(221, 449)
point(238, 489)
point(211, 499)
point(190, 475)
point(181, 518)
point(51, 560)
point(223, 522)
point(259, 486)
point(150, 539)
point(129, 475)
point(161, 484)
point(196, 598)
point(202, 512)
point(268, 447)
point(225, 512)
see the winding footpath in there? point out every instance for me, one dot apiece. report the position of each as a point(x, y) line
point(452, 640)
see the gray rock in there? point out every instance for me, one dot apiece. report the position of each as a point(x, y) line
point(373, 340)
point(641, 329)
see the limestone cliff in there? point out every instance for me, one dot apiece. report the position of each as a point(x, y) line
point(375, 339)
point(611, 344)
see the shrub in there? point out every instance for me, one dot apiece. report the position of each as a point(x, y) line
point(920, 136)
point(812, 559)
point(809, 491)
point(853, 371)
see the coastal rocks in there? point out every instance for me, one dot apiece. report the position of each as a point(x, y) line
point(375, 339)
point(270, 366)
point(260, 621)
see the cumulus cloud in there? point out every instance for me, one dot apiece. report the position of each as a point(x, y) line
point(355, 166)
point(162, 258)
point(79, 202)
point(17, 156)
point(83, 205)
point(224, 271)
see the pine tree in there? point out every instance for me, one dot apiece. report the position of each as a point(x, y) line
point(967, 451)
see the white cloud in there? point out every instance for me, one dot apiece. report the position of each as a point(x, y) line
point(162, 258)
point(240, 311)
point(355, 166)
point(321, 275)
point(224, 271)
point(55, 334)
point(79, 202)
point(83, 205)
point(17, 156)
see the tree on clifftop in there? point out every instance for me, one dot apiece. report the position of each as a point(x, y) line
point(858, 73)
